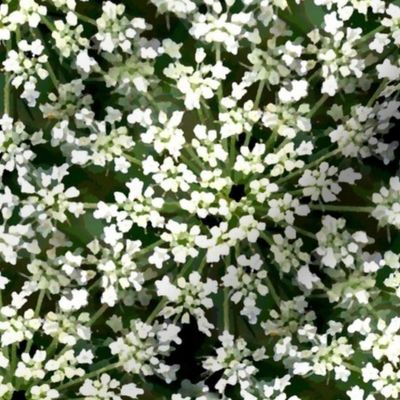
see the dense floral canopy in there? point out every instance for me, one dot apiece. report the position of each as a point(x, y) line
point(199, 199)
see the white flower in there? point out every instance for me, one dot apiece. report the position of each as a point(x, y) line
point(179, 7)
point(381, 40)
point(250, 161)
point(206, 147)
point(220, 28)
point(158, 257)
point(115, 30)
point(168, 137)
point(298, 90)
point(85, 62)
point(188, 297)
point(306, 278)
point(285, 209)
point(336, 245)
point(74, 300)
point(235, 360)
point(141, 350)
point(387, 210)
point(198, 84)
point(330, 86)
point(5, 388)
point(247, 284)
point(30, 12)
point(158, 181)
point(43, 392)
point(321, 183)
point(106, 388)
point(165, 288)
point(332, 23)
point(388, 70)
point(356, 393)
point(181, 240)
point(27, 63)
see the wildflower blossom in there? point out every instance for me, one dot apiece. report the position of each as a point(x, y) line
point(186, 198)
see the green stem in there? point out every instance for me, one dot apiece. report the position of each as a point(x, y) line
point(308, 166)
point(331, 207)
point(295, 192)
point(220, 93)
point(84, 18)
point(267, 238)
point(268, 281)
point(39, 303)
point(378, 91)
point(316, 74)
point(149, 247)
point(226, 309)
point(38, 307)
point(98, 314)
point(133, 160)
point(272, 291)
point(90, 375)
point(260, 89)
point(52, 347)
point(352, 367)
point(218, 52)
point(13, 360)
point(94, 285)
point(49, 68)
point(225, 305)
point(90, 205)
point(305, 233)
point(202, 265)
point(247, 139)
point(368, 35)
point(48, 23)
point(7, 94)
point(190, 164)
point(7, 86)
point(5, 349)
point(194, 156)
point(156, 311)
point(18, 34)
point(232, 153)
point(271, 140)
point(201, 115)
point(317, 105)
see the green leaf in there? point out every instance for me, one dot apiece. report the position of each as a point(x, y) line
point(315, 14)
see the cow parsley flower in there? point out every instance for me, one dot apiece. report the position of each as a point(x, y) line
point(235, 360)
point(387, 210)
point(106, 388)
point(188, 298)
point(186, 192)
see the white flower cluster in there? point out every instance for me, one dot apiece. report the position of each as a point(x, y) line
point(185, 199)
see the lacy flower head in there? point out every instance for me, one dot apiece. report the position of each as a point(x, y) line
point(199, 200)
